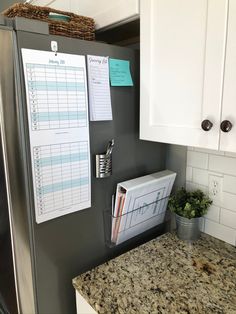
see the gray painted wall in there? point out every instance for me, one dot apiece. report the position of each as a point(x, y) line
point(176, 158)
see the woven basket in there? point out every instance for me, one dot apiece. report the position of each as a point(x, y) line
point(78, 26)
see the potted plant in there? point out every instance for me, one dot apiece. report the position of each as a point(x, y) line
point(189, 207)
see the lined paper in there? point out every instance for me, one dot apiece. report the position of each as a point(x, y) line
point(57, 106)
point(99, 88)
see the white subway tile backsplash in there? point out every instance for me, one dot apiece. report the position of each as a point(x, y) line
point(220, 231)
point(230, 154)
point(197, 160)
point(222, 164)
point(209, 151)
point(190, 186)
point(228, 218)
point(189, 173)
point(228, 201)
point(220, 221)
point(213, 213)
point(200, 176)
point(229, 184)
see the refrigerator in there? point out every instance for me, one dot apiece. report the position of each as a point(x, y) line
point(44, 257)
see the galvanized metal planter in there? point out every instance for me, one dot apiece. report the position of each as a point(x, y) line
point(188, 229)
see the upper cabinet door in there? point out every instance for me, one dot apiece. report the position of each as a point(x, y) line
point(228, 118)
point(182, 59)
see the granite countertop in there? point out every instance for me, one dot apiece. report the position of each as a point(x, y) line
point(165, 275)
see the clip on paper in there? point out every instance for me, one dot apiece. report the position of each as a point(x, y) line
point(54, 46)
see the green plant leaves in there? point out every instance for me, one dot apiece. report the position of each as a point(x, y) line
point(189, 204)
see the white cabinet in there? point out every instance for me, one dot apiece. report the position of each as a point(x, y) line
point(106, 13)
point(82, 306)
point(228, 139)
point(188, 71)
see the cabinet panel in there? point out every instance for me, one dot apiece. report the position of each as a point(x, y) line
point(182, 57)
point(228, 140)
point(82, 306)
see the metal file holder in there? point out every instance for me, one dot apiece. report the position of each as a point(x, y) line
point(158, 218)
point(103, 165)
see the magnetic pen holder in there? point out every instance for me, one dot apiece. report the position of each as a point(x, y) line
point(103, 165)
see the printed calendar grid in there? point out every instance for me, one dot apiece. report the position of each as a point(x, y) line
point(57, 96)
point(57, 107)
point(61, 175)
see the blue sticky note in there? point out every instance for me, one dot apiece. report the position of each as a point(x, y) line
point(120, 73)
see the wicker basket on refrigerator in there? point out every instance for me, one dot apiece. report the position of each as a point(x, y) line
point(77, 26)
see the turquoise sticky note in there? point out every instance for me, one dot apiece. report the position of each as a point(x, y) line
point(120, 73)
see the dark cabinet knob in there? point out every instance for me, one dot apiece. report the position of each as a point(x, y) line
point(206, 125)
point(226, 126)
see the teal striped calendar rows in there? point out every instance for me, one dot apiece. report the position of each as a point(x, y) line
point(61, 159)
point(70, 184)
point(59, 115)
point(56, 86)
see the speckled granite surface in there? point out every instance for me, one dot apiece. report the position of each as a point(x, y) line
point(165, 275)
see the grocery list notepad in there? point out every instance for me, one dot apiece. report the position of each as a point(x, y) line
point(99, 88)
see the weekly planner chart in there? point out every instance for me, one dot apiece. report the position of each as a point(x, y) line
point(57, 106)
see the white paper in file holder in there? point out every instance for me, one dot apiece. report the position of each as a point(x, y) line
point(133, 227)
point(146, 200)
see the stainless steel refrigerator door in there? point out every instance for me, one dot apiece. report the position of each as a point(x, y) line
point(15, 164)
point(69, 245)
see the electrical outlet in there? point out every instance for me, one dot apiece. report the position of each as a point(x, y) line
point(215, 186)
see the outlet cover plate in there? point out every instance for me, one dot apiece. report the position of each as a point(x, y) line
point(215, 187)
